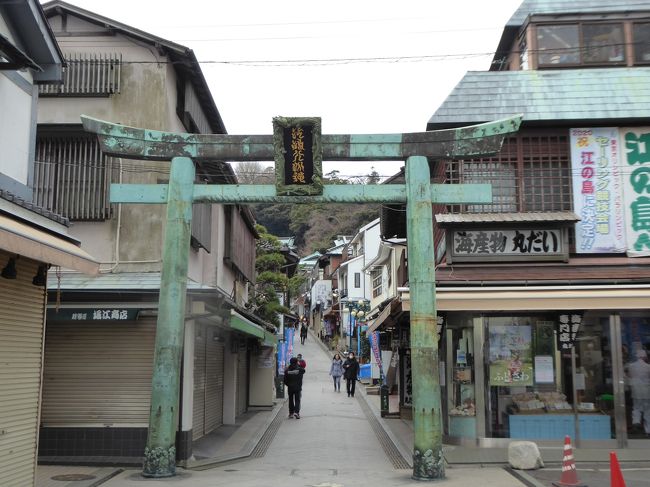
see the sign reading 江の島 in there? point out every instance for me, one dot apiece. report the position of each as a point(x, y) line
point(507, 244)
point(597, 192)
point(636, 184)
point(298, 155)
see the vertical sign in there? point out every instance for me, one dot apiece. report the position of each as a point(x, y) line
point(567, 330)
point(597, 192)
point(374, 345)
point(298, 155)
point(636, 184)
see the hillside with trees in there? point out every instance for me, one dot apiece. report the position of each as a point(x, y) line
point(314, 225)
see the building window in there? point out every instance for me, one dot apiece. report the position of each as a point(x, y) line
point(641, 33)
point(603, 43)
point(357, 280)
point(87, 74)
point(581, 44)
point(531, 173)
point(376, 276)
point(72, 176)
point(558, 44)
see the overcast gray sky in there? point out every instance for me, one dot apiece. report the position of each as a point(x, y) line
point(363, 66)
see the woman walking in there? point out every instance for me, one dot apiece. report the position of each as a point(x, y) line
point(351, 368)
point(336, 371)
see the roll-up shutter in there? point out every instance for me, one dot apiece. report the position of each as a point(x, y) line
point(214, 384)
point(198, 410)
point(98, 374)
point(208, 381)
point(242, 378)
point(21, 344)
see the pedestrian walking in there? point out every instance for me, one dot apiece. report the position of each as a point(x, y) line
point(293, 380)
point(303, 333)
point(336, 371)
point(301, 361)
point(351, 373)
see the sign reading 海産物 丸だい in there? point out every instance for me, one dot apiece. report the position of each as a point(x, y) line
point(636, 185)
point(597, 190)
point(298, 155)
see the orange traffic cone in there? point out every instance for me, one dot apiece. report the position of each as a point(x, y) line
point(569, 477)
point(616, 476)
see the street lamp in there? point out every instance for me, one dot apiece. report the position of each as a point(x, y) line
point(358, 311)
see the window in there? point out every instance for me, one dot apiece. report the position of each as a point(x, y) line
point(641, 33)
point(72, 176)
point(523, 54)
point(575, 44)
point(376, 277)
point(558, 44)
point(531, 173)
point(357, 280)
point(603, 43)
point(87, 74)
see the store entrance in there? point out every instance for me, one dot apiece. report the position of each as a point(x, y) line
point(548, 376)
point(635, 350)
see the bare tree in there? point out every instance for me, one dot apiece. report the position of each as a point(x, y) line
point(254, 172)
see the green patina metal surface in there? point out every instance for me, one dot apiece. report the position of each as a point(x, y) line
point(137, 143)
point(160, 453)
point(428, 461)
point(354, 193)
point(418, 193)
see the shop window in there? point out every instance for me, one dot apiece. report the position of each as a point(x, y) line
point(635, 338)
point(531, 173)
point(558, 44)
point(376, 277)
point(603, 43)
point(641, 33)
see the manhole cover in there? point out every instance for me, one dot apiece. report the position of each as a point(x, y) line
point(73, 477)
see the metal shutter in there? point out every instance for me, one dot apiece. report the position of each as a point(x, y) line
point(208, 382)
point(21, 344)
point(198, 410)
point(214, 383)
point(98, 374)
point(242, 379)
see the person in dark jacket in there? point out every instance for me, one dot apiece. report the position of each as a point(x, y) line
point(303, 333)
point(351, 372)
point(293, 380)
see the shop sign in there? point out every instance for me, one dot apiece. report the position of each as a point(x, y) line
point(374, 345)
point(567, 330)
point(597, 190)
point(92, 314)
point(508, 244)
point(636, 184)
point(298, 155)
point(510, 358)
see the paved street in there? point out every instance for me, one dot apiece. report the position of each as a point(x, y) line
point(332, 444)
point(596, 475)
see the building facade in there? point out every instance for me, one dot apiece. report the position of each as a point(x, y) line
point(99, 347)
point(32, 238)
point(544, 292)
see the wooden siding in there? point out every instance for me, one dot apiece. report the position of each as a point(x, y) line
point(240, 250)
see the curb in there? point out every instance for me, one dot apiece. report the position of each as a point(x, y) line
point(243, 454)
point(527, 480)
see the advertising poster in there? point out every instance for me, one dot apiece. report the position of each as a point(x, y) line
point(544, 369)
point(636, 189)
point(374, 346)
point(511, 362)
point(289, 334)
point(597, 190)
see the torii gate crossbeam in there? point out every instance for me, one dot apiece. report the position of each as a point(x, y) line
point(418, 194)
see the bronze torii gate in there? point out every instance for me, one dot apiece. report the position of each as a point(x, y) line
point(299, 149)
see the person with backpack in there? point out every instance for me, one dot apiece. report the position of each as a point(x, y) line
point(351, 373)
point(293, 380)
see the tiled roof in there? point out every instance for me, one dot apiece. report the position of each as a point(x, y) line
point(127, 281)
point(7, 195)
point(530, 7)
point(549, 217)
point(549, 95)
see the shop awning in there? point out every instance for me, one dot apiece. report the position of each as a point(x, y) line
point(376, 323)
point(22, 239)
point(539, 299)
point(246, 326)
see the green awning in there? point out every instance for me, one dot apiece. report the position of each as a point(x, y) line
point(244, 325)
point(270, 339)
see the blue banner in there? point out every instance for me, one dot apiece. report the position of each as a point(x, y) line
point(289, 334)
point(374, 346)
point(282, 357)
